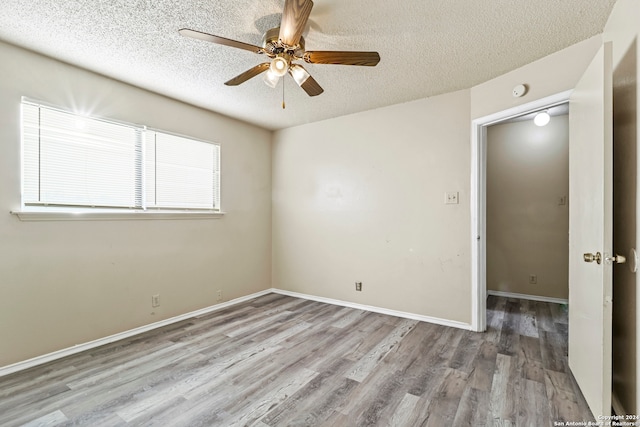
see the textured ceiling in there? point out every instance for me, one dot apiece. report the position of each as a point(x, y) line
point(428, 47)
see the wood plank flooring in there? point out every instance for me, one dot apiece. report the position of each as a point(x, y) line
point(282, 361)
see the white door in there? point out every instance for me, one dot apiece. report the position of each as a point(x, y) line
point(590, 231)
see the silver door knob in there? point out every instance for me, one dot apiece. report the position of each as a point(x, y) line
point(597, 257)
point(616, 259)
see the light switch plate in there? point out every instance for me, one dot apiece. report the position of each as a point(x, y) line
point(451, 198)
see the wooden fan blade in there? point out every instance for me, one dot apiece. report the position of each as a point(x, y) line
point(250, 73)
point(369, 59)
point(294, 19)
point(310, 85)
point(219, 40)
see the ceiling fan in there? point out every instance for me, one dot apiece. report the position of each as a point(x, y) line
point(284, 45)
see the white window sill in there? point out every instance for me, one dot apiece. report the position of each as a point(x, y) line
point(106, 215)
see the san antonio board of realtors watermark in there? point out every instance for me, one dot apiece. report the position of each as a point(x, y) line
point(604, 421)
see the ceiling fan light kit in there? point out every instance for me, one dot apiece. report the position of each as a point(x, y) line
point(284, 45)
point(279, 66)
point(299, 74)
point(270, 79)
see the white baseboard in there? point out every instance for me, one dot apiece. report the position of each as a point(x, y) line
point(428, 319)
point(617, 406)
point(529, 297)
point(45, 358)
point(49, 357)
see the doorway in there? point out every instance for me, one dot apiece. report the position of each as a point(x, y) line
point(527, 206)
point(479, 198)
point(625, 325)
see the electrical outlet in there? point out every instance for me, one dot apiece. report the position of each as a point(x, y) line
point(155, 300)
point(218, 295)
point(451, 198)
point(359, 286)
point(533, 279)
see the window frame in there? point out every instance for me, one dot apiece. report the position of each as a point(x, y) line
point(29, 211)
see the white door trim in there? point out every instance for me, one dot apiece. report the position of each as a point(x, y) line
point(478, 199)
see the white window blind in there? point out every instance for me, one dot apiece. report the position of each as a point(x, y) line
point(181, 172)
point(70, 160)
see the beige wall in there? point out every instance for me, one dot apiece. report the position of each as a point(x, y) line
point(65, 283)
point(361, 198)
point(527, 228)
point(550, 75)
point(622, 28)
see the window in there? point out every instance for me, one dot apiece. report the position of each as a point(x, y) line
point(180, 172)
point(75, 161)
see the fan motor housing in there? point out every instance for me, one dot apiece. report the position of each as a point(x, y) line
point(272, 46)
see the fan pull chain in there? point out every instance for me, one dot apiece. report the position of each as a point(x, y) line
point(283, 94)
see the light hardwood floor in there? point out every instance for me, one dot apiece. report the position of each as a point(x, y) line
point(282, 361)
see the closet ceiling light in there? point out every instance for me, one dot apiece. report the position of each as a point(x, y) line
point(542, 118)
